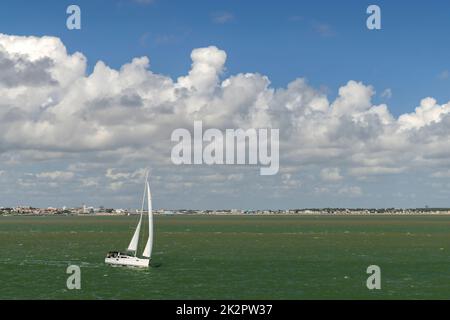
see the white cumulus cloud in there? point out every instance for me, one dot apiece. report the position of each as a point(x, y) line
point(109, 123)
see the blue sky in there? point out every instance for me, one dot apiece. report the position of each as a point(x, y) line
point(324, 41)
point(345, 152)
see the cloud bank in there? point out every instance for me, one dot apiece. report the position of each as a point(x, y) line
point(97, 131)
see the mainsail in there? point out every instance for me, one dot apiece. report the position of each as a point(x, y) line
point(148, 247)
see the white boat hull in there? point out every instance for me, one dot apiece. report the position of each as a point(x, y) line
point(128, 261)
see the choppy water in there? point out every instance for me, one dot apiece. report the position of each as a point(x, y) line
point(219, 257)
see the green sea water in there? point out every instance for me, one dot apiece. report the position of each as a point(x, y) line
point(229, 257)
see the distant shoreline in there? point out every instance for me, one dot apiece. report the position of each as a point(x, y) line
point(242, 215)
point(97, 212)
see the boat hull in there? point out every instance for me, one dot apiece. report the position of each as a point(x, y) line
point(128, 262)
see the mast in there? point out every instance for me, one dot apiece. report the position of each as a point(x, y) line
point(149, 246)
point(135, 240)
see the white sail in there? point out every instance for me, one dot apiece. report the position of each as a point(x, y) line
point(148, 247)
point(135, 240)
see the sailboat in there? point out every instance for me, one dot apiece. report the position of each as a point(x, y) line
point(130, 258)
